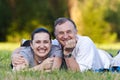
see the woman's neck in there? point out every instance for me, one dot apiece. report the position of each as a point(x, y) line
point(39, 60)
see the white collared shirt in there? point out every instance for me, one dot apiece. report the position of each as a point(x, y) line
point(86, 54)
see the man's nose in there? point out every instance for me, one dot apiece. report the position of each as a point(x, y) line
point(65, 35)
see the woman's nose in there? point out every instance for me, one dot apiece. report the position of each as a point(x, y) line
point(41, 45)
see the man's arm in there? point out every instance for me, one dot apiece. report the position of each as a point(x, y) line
point(16, 58)
point(71, 63)
point(70, 60)
point(18, 62)
point(21, 66)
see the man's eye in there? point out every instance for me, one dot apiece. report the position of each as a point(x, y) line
point(61, 33)
point(69, 32)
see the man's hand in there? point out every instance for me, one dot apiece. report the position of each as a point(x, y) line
point(69, 46)
point(21, 66)
point(19, 62)
point(17, 59)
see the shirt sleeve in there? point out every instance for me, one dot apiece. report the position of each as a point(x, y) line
point(17, 50)
point(105, 58)
point(56, 51)
point(116, 60)
point(27, 54)
point(87, 55)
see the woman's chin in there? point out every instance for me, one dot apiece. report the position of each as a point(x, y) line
point(42, 55)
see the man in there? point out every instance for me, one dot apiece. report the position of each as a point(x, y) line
point(80, 53)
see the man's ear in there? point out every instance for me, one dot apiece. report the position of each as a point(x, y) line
point(76, 31)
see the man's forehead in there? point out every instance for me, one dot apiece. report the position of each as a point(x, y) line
point(65, 26)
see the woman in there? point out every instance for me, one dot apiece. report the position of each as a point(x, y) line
point(41, 55)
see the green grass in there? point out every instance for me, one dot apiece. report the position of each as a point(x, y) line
point(7, 74)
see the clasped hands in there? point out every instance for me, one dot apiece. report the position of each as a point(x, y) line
point(19, 63)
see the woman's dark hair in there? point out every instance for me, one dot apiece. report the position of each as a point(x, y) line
point(39, 30)
point(26, 43)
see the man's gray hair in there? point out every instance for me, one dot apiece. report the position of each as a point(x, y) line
point(62, 20)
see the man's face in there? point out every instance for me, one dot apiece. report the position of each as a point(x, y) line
point(41, 44)
point(65, 32)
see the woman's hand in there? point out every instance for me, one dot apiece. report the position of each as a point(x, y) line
point(21, 66)
point(47, 63)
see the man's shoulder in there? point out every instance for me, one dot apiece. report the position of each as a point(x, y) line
point(55, 42)
point(83, 38)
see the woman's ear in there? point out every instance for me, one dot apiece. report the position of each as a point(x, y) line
point(31, 44)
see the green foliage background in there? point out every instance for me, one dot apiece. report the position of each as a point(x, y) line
point(95, 24)
point(99, 19)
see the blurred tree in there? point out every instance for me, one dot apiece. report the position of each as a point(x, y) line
point(75, 13)
point(30, 14)
point(93, 21)
point(5, 19)
point(89, 18)
point(112, 16)
point(58, 8)
point(95, 18)
point(27, 15)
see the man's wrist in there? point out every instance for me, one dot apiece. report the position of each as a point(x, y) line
point(68, 55)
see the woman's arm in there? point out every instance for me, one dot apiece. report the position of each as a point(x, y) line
point(46, 65)
point(57, 63)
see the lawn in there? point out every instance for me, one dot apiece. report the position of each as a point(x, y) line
point(7, 74)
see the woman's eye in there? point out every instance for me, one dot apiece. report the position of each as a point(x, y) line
point(37, 41)
point(46, 41)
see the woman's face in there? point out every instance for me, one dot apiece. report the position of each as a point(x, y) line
point(41, 44)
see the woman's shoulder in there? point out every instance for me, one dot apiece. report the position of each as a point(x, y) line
point(55, 51)
point(56, 47)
